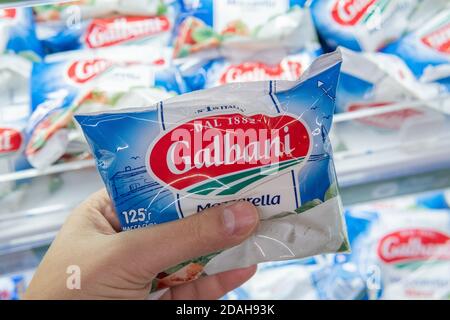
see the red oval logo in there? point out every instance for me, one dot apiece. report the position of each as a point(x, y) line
point(223, 154)
point(349, 12)
point(85, 70)
point(8, 13)
point(414, 244)
point(257, 71)
point(10, 140)
point(439, 39)
point(112, 31)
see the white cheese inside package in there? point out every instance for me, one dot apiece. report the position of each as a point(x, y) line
point(264, 142)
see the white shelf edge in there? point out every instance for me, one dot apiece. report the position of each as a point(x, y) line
point(413, 104)
point(338, 118)
point(56, 168)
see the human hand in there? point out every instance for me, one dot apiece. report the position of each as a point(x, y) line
point(122, 265)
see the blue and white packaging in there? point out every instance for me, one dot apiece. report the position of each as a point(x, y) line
point(173, 165)
point(362, 275)
point(291, 67)
point(364, 25)
point(17, 33)
point(324, 277)
point(92, 83)
point(243, 29)
point(13, 286)
point(286, 280)
point(427, 50)
point(403, 246)
point(344, 278)
point(408, 251)
point(15, 73)
point(400, 250)
point(435, 200)
point(107, 23)
point(371, 80)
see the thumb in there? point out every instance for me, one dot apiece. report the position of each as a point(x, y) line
point(159, 247)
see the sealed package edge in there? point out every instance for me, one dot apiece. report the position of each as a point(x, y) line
point(264, 142)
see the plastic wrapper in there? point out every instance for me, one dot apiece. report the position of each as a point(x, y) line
point(223, 71)
point(427, 50)
point(13, 286)
point(406, 254)
point(286, 280)
point(372, 80)
point(17, 34)
point(244, 29)
point(324, 277)
point(15, 110)
point(162, 175)
point(89, 9)
point(435, 200)
point(98, 24)
point(93, 83)
point(369, 25)
point(363, 274)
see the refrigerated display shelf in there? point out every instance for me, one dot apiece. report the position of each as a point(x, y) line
point(367, 172)
point(387, 188)
point(57, 168)
point(34, 229)
point(341, 118)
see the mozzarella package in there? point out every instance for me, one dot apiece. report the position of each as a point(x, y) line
point(371, 80)
point(290, 67)
point(263, 142)
point(426, 50)
point(17, 34)
point(369, 25)
point(242, 28)
point(90, 81)
point(282, 280)
point(405, 253)
point(13, 286)
point(15, 72)
point(105, 23)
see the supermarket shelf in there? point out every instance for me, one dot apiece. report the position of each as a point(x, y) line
point(370, 172)
point(440, 104)
point(35, 241)
point(57, 168)
point(32, 229)
point(40, 208)
point(395, 186)
point(338, 118)
point(28, 233)
point(35, 229)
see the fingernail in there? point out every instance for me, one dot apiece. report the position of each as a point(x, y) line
point(239, 218)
